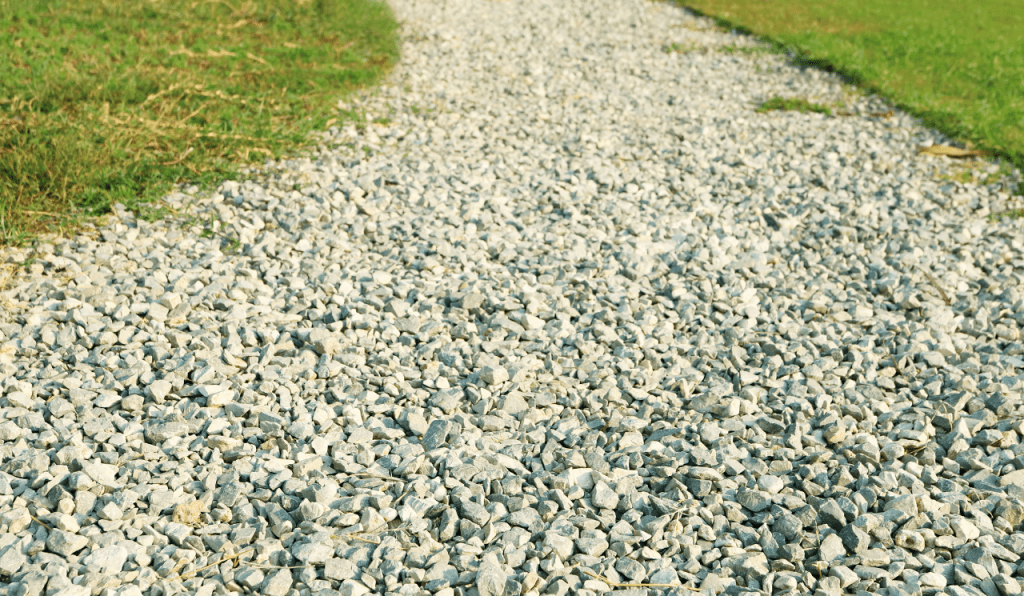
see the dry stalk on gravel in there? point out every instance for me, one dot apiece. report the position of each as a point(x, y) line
point(636, 585)
point(205, 567)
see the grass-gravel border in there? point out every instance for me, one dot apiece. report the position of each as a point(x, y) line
point(117, 101)
point(826, 37)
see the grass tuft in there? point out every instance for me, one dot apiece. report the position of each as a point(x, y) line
point(1011, 214)
point(793, 105)
point(118, 100)
point(744, 50)
point(757, 50)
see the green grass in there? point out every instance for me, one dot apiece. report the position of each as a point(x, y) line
point(744, 50)
point(793, 105)
point(1011, 214)
point(959, 67)
point(105, 101)
point(675, 48)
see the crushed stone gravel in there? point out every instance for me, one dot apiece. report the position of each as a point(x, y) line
point(564, 315)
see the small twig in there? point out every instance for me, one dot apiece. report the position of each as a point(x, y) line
point(40, 522)
point(214, 135)
point(194, 112)
point(205, 567)
point(41, 213)
point(376, 476)
point(817, 564)
point(404, 495)
point(180, 158)
point(935, 283)
point(896, 363)
point(9, 272)
point(152, 96)
point(374, 531)
point(252, 56)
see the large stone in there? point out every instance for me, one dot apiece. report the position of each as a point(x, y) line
point(64, 543)
point(313, 553)
point(832, 514)
point(558, 544)
point(32, 584)
point(102, 474)
point(1011, 510)
point(437, 434)
point(750, 565)
point(278, 583)
point(11, 559)
point(604, 497)
point(831, 548)
point(904, 503)
point(909, 540)
point(753, 500)
point(854, 539)
point(109, 559)
point(490, 579)
point(493, 375)
point(159, 390)
point(474, 512)
point(339, 569)
point(1006, 584)
point(162, 431)
point(250, 577)
point(632, 569)
point(16, 519)
point(1014, 478)
point(351, 587)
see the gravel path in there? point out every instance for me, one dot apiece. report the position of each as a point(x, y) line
point(567, 316)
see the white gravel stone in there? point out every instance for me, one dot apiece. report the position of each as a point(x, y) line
point(109, 559)
point(493, 375)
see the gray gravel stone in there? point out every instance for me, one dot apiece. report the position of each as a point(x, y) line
point(436, 434)
point(753, 565)
point(65, 544)
point(312, 553)
point(490, 579)
point(753, 500)
point(493, 375)
point(831, 548)
point(604, 497)
point(278, 583)
point(12, 559)
point(854, 539)
point(1007, 585)
point(250, 577)
point(108, 560)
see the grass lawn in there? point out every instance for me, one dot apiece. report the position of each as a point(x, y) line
point(958, 66)
point(105, 101)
